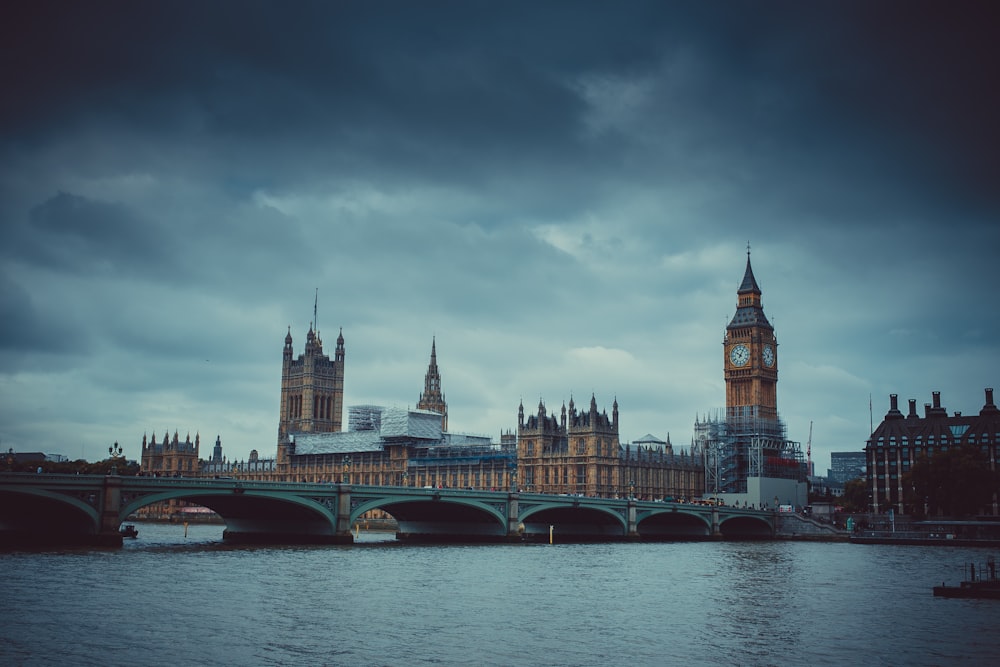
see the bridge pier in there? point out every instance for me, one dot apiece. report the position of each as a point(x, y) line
point(109, 534)
point(515, 529)
point(342, 531)
point(716, 531)
point(632, 532)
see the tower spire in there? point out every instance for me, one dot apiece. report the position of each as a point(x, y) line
point(432, 398)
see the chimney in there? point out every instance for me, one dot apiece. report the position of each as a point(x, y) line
point(927, 409)
point(913, 408)
point(990, 408)
point(936, 409)
point(894, 412)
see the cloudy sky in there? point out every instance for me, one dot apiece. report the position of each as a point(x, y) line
point(561, 193)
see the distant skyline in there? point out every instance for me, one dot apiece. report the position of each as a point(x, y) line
point(560, 193)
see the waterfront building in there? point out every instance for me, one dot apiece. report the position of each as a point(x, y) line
point(312, 387)
point(171, 456)
point(747, 456)
point(900, 440)
point(580, 453)
point(382, 446)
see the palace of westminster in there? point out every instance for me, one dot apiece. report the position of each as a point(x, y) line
point(575, 450)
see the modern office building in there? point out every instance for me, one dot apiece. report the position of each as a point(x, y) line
point(845, 466)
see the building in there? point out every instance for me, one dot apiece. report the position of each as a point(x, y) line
point(579, 453)
point(171, 456)
point(382, 446)
point(845, 466)
point(312, 387)
point(899, 441)
point(748, 458)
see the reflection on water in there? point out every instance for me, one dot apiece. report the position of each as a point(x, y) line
point(167, 599)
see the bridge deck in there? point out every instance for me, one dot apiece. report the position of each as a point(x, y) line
point(90, 508)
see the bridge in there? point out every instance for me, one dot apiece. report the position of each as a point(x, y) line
point(89, 509)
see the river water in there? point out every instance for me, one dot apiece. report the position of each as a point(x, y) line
point(170, 599)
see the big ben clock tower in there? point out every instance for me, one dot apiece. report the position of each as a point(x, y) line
point(751, 357)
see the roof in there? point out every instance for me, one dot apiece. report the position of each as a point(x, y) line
point(749, 283)
point(396, 424)
point(343, 442)
point(748, 316)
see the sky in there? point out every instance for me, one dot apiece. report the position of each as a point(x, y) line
point(560, 194)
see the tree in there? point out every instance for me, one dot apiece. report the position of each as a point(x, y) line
point(954, 482)
point(855, 498)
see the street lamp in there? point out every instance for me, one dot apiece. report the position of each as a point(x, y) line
point(116, 453)
point(513, 478)
point(405, 476)
point(11, 459)
point(347, 467)
point(631, 489)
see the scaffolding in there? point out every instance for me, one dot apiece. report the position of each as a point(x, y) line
point(746, 445)
point(364, 417)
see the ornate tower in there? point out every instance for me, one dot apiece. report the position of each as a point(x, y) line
point(751, 357)
point(431, 398)
point(312, 388)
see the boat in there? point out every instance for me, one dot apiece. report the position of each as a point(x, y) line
point(129, 530)
point(984, 587)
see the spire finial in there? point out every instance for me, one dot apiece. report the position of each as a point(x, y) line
point(748, 249)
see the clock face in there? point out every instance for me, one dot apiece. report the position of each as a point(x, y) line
point(739, 355)
point(768, 356)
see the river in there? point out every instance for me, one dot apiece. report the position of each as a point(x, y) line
point(170, 599)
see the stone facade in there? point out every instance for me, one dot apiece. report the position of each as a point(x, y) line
point(579, 453)
point(432, 397)
point(171, 456)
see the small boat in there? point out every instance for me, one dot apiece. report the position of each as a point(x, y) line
point(983, 588)
point(129, 530)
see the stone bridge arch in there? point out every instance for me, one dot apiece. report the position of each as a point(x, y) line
point(745, 527)
point(255, 516)
point(577, 521)
point(40, 515)
point(438, 515)
point(673, 523)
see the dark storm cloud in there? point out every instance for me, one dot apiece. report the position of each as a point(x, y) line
point(560, 191)
point(467, 90)
point(78, 235)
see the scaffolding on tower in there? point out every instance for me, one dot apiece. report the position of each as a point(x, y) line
point(746, 445)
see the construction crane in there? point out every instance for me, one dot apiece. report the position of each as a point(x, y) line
point(809, 449)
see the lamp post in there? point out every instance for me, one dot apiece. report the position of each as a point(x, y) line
point(513, 478)
point(347, 467)
point(116, 453)
point(404, 477)
point(631, 489)
point(11, 459)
